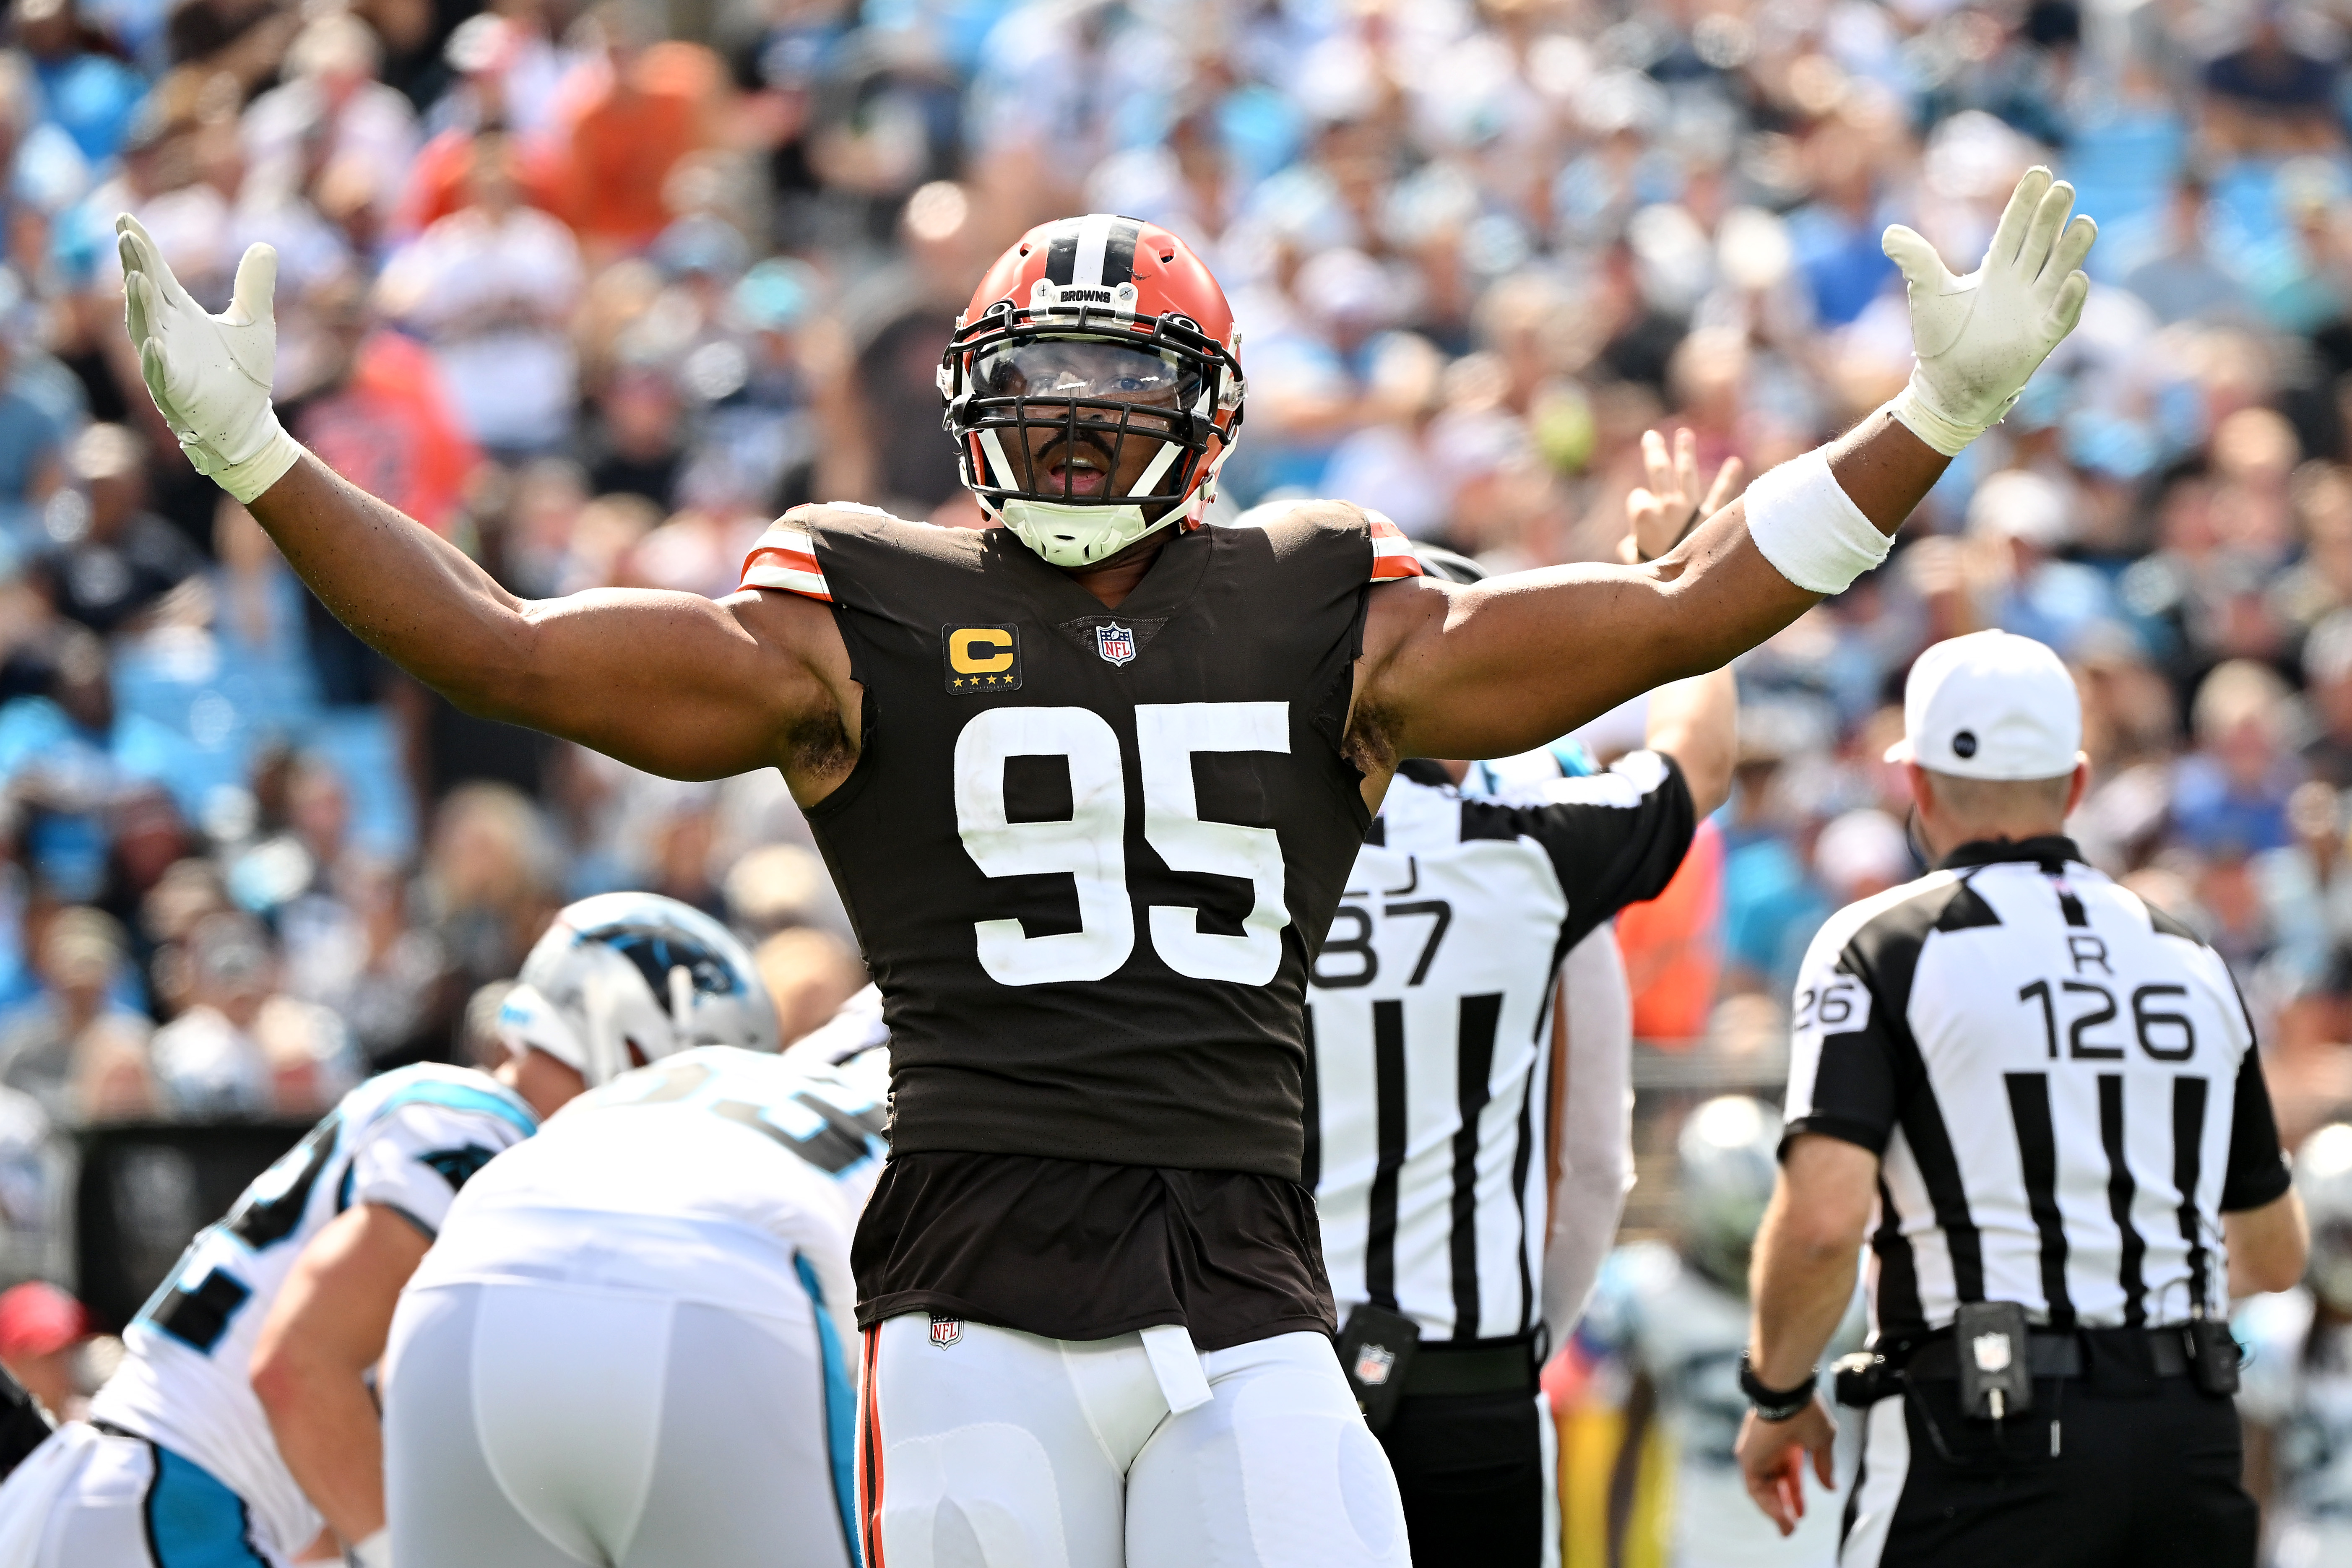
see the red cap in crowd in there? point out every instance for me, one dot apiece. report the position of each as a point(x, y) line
point(38, 1318)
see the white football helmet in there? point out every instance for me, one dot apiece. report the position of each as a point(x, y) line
point(2323, 1174)
point(1728, 1156)
point(624, 979)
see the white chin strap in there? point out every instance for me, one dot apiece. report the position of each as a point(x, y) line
point(1067, 535)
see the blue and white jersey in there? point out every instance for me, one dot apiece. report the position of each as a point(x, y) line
point(1662, 1318)
point(408, 1141)
point(2298, 1383)
point(718, 1175)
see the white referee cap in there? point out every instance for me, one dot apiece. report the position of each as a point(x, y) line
point(1990, 705)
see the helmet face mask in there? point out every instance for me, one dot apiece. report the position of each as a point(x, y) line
point(1090, 410)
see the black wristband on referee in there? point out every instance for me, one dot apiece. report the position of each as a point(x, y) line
point(1775, 1404)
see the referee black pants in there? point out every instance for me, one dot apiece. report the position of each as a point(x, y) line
point(1478, 1474)
point(2149, 1479)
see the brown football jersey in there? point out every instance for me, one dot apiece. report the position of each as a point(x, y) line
point(1090, 853)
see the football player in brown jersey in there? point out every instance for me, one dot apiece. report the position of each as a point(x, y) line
point(1091, 782)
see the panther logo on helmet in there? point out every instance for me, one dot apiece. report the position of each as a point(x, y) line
point(624, 979)
point(1094, 386)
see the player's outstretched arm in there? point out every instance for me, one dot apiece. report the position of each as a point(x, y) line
point(673, 683)
point(1504, 664)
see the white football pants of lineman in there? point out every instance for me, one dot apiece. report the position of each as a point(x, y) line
point(531, 1425)
point(1006, 1450)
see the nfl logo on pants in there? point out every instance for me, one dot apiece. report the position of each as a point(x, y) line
point(1115, 643)
point(945, 1331)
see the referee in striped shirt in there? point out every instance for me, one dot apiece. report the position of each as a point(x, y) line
point(2041, 1097)
point(1469, 1035)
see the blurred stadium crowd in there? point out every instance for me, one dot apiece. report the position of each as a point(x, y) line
point(598, 291)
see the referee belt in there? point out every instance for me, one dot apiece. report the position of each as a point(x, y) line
point(2054, 1353)
point(1483, 1367)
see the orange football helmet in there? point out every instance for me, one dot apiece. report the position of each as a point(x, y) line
point(1087, 334)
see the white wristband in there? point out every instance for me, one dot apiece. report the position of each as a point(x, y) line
point(1810, 529)
point(375, 1552)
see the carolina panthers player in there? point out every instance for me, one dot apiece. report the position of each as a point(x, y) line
point(684, 1231)
point(1091, 785)
point(240, 1422)
point(2297, 1396)
point(1677, 1317)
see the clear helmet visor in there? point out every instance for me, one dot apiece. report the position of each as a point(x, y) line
point(1088, 370)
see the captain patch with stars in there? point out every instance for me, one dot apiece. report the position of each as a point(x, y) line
point(981, 658)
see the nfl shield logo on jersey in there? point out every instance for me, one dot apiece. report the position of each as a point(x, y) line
point(1373, 1363)
point(1115, 643)
point(945, 1331)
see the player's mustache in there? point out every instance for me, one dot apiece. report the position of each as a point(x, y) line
point(1062, 448)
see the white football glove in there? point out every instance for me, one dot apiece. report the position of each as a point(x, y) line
point(209, 375)
point(1976, 340)
point(375, 1552)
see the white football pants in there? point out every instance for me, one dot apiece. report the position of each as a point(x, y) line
point(1000, 1449)
point(550, 1426)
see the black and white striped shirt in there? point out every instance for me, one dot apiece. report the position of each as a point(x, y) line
point(2059, 1080)
point(1429, 1018)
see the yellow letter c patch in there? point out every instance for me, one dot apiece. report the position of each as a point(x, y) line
point(981, 658)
